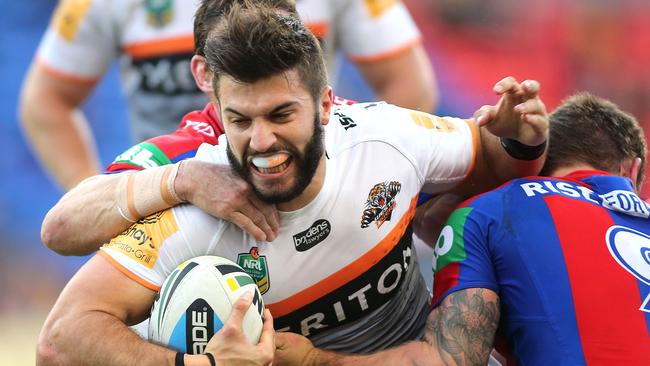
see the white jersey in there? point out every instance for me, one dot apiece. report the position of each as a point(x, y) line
point(363, 30)
point(154, 42)
point(342, 270)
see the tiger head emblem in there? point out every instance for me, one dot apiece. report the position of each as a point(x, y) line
point(380, 203)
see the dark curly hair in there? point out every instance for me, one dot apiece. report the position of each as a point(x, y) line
point(210, 12)
point(256, 42)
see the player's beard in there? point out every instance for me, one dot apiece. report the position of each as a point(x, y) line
point(305, 164)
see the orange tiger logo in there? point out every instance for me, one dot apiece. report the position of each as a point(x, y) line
point(380, 203)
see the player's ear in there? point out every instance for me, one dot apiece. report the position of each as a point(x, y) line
point(634, 173)
point(202, 74)
point(325, 104)
point(630, 168)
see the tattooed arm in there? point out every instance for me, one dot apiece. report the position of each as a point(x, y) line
point(462, 327)
point(460, 331)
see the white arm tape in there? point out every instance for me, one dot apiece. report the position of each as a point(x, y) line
point(145, 192)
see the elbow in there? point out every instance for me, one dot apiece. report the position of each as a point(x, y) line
point(50, 232)
point(26, 106)
point(422, 83)
point(46, 350)
point(53, 234)
point(45, 354)
point(427, 99)
point(432, 95)
point(426, 95)
point(417, 91)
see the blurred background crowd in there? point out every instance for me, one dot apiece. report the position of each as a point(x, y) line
point(596, 45)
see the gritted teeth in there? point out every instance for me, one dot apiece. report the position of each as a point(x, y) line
point(270, 161)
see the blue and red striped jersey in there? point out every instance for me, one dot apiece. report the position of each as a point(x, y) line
point(570, 260)
point(196, 128)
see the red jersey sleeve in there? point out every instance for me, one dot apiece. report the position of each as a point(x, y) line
point(196, 128)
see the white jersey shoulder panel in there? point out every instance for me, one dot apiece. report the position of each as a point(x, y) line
point(82, 39)
point(441, 149)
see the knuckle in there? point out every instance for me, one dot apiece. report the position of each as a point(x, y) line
point(240, 306)
point(242, 225)
point(230, 329)
point(248, 227)
point(483, 110)
point(266, 356)
point(217, 210)
point(238, 196)
point(225, 207)
point(268, 216)
point(245, 188)
point(259, 219)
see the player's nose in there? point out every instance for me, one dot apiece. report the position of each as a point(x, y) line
point(262, 136)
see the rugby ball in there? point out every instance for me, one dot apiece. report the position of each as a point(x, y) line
point(196, 300)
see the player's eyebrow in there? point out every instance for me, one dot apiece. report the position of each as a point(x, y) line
point(274, 110)
point(282, 106)
point(230, 110)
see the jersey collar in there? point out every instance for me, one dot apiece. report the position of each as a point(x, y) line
point(579, 175)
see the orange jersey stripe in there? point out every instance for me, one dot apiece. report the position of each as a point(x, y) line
point(352, 270)
point(50, 70)
point(138, 50)
point(128, 273)
point(387, 54)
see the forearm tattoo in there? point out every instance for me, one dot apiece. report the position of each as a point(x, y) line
point(462, 327)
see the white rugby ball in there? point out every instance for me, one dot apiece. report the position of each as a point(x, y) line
point(196, 300)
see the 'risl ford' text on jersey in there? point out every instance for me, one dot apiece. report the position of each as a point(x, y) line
point(570, 260)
